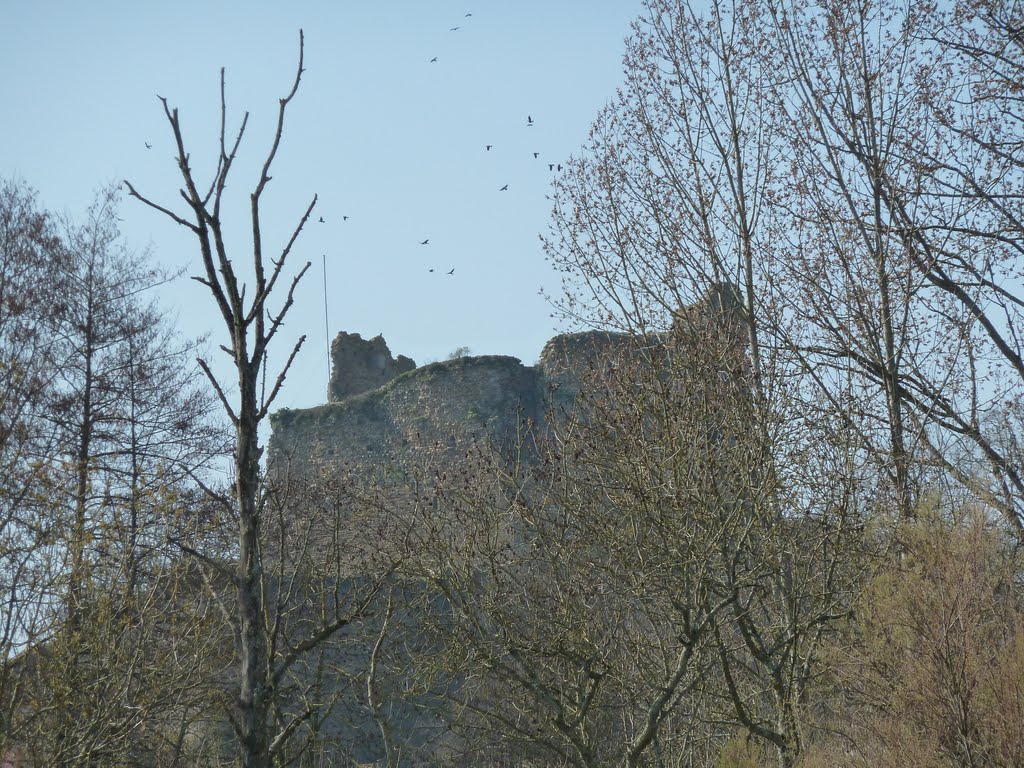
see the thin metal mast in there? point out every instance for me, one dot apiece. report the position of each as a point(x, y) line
point(327, 326)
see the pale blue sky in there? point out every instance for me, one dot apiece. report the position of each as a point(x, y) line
point(385, 137)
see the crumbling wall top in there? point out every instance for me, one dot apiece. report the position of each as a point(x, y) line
point(359, 365)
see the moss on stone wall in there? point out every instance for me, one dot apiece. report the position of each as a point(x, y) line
point(443, 402)
point(439, 402)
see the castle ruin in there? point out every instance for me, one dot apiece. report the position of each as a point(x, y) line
point(377, 404)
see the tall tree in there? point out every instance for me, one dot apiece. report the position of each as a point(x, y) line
point(622, 589)
point(855, 169)
point(125, 399)
point(264, 721)
point(964, 234)
point(32, 265)
point(101, 421)
point(695, 175)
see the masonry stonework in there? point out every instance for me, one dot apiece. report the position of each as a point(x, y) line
point(378, 405)
point(359, 365)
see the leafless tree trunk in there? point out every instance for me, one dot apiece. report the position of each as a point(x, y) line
point(250, 329)
point(263, 720)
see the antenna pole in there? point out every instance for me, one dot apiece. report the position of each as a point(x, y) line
point(327, 326)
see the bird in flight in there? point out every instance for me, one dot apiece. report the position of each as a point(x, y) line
point(451, 271)
point(344, 218)
point(551, 166)
point(425, 242)
point(148, 145)
point(504, 189)
point(529, 121)
point(559, 166)
point(430, 270)
point(433, 60)
point(454, 29)
point(536, 155)
point(468, 15)
point(322, 220)
point(489, 147)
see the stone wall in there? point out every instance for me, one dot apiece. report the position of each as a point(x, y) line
point(441, 402)
point(359, 365)
point(380, 411)
point(569, 359)
point(379, 404)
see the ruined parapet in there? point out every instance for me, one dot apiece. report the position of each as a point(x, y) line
point(569, 358)
point(713, 333)
point(359, 365)
point(441, 404)
point(721, 309)
point(381, 408)
point(572, 361)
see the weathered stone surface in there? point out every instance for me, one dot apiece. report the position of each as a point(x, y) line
point(382, 410)
point(441, 402)
point(359, 365)
point(485, 396)
point(567, 360)
point(378, 405)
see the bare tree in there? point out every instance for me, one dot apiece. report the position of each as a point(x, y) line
point(963, 236)
point(263, 719)
point(100, 426)
point(125, 400)
point(620, 589)
point(904, 149)
point(686, 184)
point(31, 272)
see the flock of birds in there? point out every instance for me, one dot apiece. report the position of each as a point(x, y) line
point(487, 148)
